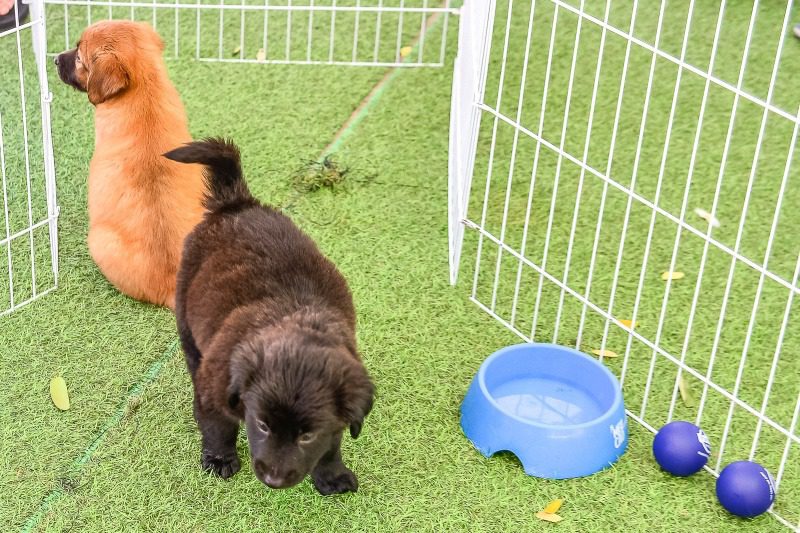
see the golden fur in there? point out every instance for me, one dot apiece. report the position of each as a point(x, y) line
point(141, 205)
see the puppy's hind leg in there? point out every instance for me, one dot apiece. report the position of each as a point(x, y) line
point(331, 476)
point(190, 350)
point(219, 442)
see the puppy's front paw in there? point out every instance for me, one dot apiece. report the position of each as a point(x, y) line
point(222, 466)
point(335, 481)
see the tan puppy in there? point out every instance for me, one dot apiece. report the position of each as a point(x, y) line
point(141, 205)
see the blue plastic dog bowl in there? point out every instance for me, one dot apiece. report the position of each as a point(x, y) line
point(558, 410)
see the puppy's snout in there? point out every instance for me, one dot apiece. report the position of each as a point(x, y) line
point(275, 477)
point(62, 59)
point(65, 65)
point(274, 482)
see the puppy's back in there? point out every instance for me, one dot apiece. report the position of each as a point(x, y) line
point(246, 254)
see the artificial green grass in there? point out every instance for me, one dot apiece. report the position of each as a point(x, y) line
point(100, 341)
point(624, 266)
point(421, 339)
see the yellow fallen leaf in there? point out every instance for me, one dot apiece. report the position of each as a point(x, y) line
point(708, 217)
point(261, 55)
point(405, 51)
point(672, 275)
point(237, 51)
point(549, 517)
point(629, 323)
point(553, 507)
point(686, 394)
point(605, 353)
point(58, 392)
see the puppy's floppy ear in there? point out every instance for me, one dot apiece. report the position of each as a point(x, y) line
point(355, 397)
point(242, 369)
point(107, 77)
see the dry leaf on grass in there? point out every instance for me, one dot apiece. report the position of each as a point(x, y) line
point(58, 393)
point(686, 394)
point(237, 51)
point(672, 275)
point(549, 517)
point(605, 353)
point(708, 217)
point(261, 55)
point(629, 323)
point(553, 506)
point(405, 51)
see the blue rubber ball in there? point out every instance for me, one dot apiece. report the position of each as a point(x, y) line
point(745, 489)
point(681, 448)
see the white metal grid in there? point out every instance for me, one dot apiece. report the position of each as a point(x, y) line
point(311, 32)
point(28, 242)
point(605, 126)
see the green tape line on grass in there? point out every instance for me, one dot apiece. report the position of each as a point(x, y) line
point(113, 421)
point(374, 95)
point(360, 112)
point(370, 100)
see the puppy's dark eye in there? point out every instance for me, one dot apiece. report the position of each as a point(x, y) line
point(262, 426)
point(306, 438)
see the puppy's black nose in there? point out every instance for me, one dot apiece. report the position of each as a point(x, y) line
point(273, 478)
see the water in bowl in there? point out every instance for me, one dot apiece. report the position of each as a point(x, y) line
point(546, 401)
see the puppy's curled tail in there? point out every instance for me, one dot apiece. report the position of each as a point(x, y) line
point(224, 181)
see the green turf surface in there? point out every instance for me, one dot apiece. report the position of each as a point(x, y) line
point(623, 265)
point(421, 339)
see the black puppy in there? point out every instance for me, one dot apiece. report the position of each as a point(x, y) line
point(267, 324)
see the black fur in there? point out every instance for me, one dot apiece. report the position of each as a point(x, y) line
point(267, 324)
point(224, 180)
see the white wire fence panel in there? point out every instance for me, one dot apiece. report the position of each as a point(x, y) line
point(469, 79)
point(28, 239)
point(606, 127)
point(341, 32)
